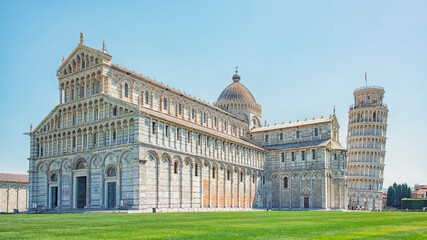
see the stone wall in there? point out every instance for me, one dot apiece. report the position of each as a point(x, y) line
point(13, 196)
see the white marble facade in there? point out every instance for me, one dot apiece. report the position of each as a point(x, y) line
point(305, 165)
point(118, 139)
point(366, 141)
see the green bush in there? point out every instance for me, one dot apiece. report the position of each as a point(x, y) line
point(408, 203)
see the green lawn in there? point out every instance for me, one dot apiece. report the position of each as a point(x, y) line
point(227, 225)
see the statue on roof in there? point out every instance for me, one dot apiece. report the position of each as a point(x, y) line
point(104, 48)
point(82, 42)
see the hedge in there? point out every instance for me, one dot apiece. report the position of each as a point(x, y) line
point(409, 203)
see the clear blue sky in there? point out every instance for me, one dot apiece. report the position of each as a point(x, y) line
point(298, 59)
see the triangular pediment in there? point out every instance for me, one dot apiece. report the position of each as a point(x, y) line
point(82, 57)
point(48, 123)
point(335, 121)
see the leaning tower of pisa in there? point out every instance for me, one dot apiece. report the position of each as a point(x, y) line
point(366, 139)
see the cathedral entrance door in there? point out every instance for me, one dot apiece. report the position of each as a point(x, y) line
point(306, 202)
point(81, 192)
point(111, 194)
point(53, 197)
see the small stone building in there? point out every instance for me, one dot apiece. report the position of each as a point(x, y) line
point(13, 192)
point(420, 191)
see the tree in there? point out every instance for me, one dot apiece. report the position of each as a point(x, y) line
point(396, 192)
point(390, 196)
point(409, 193)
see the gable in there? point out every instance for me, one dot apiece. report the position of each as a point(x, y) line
point(81, 58)
point(53, 121)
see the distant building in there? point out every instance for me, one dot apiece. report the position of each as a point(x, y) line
point(13, 192)
point(385, 198)
point(420, 191)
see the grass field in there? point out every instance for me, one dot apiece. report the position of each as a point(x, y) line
point(227, 225)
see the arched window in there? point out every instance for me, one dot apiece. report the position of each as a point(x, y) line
point(95, 136)
point(241, 176)
point(81, 91)
point(228, 174)
point(54, 178)
point(285, 182)
point(254, 121)
point(154, 128)
point(126, 90)
point(166, 131)
point(175, 167)
point(146, 97)
point(178, 134)
point(213, 172)
point(165, 104)
point(111, 172)
point(196, 170)
point(80, 165)
point(114, 135)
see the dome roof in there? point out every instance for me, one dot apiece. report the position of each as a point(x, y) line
point(236, 92)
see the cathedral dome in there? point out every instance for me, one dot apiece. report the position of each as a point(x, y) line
point(236, 92)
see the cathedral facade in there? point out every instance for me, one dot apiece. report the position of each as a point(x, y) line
point(119, 140)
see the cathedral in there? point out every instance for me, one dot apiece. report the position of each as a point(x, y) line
point(119, 140)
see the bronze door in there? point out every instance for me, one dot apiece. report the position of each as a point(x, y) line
point(81, 192)
point(53, 197)
point(111, 194)
point(306, 202)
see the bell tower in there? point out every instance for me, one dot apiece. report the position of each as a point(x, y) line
point(366, 141)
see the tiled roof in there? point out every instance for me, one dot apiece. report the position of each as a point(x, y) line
point(236, 91)
point(294, 124)
point(11, 177)
point(337, 146)
point(199, 128)
point(419, 191)
point(307, 144)
point(289, 146)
